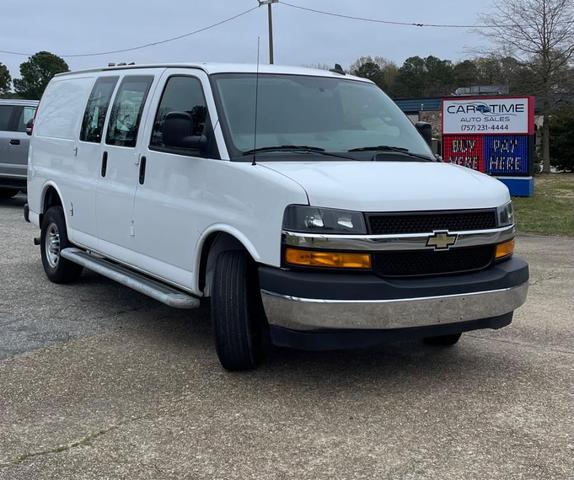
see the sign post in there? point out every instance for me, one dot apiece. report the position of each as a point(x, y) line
point(494, 135)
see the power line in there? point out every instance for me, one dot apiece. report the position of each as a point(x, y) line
point(387, 22)
point(139, 47)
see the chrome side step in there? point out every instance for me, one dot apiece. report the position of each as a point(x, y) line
point(138, 282)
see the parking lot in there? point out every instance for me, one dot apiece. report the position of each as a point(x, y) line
point(97, 381)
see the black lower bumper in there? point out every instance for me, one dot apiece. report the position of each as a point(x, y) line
point(346, 339)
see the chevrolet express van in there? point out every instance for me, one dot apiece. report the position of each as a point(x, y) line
point(15, 118)
point(302, 203)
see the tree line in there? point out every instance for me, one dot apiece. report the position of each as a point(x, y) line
point(35, 73)
point(434, 77)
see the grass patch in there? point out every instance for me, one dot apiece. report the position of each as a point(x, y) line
point(551, 210)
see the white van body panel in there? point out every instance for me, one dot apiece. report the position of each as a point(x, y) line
point(384, 186)
point(53, 154)
point(194, 208)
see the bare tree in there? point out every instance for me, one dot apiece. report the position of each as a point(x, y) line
point(539, 34)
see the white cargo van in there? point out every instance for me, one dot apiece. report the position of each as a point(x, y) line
point(302, 203)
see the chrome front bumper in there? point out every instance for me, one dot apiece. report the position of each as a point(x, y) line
point(298, 313)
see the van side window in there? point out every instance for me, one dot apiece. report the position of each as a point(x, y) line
point(97, 108)
point(127, 111)
point(184, 95)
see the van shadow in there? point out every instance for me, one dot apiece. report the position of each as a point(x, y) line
point(13, 203)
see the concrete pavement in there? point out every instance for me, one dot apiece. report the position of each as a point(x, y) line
point(99, 382)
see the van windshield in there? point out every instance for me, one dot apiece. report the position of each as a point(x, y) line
point(335, 115)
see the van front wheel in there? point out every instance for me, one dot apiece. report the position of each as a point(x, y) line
point(53, 239)
point(237, 311)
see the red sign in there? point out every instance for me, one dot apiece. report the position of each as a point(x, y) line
point(464, 150)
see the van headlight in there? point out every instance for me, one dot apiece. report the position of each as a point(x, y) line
point(300, 218)
point(505, 215)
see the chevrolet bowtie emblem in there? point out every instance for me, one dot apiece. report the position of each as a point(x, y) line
point(441, 240)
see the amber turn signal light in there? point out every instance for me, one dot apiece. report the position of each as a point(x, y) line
point(504, 250)
point(314, 258)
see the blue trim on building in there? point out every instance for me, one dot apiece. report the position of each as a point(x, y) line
point(415, 105)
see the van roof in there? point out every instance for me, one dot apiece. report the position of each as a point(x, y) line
point(213, 68)
point(16, 101)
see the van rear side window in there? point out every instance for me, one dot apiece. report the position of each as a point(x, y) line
point(127, 111)
point(97, 109)
point(63, 105)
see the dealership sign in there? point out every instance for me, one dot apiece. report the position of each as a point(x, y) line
point(488, 115)
point(493, 135)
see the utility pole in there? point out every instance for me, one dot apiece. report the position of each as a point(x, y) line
point(270, 19)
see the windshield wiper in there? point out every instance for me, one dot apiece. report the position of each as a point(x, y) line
point(389, 148)
point(280, 148)
point(295, 148)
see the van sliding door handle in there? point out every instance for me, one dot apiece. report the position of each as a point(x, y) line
point(14, 141)
point(142, 170)
point(104, 163)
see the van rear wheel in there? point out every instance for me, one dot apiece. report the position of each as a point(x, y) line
point(237, 312)
point(8, 192)
point(53, 239)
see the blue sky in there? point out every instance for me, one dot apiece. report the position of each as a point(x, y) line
point(301, 38)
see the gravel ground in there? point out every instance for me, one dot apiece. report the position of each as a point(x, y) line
point(99, 382)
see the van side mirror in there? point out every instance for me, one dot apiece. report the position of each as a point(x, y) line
point(29, 127)
point(178, 132)
point(425, 129)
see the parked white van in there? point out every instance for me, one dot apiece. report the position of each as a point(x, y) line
point(303, 203)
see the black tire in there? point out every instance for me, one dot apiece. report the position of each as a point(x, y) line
point(58, 269)
point(237, 312)
point(8, 193)
point(443, 340)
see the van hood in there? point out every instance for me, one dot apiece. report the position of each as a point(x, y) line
point(393, 186)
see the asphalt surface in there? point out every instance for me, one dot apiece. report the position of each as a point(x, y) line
point(99, 382)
